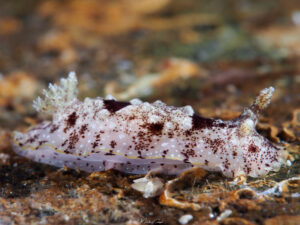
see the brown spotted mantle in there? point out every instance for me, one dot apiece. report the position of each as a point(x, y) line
point(138, 137)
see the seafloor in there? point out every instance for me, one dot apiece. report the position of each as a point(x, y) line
point(214, 55)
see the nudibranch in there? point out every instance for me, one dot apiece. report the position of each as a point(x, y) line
point(138, 137)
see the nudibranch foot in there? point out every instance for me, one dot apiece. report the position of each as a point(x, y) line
point(138, 137)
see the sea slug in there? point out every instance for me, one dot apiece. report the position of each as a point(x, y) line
point(138, 137)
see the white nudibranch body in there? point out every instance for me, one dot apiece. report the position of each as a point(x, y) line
point(138, 137)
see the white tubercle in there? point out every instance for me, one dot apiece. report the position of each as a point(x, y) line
point(135, 101)
point(110, 97)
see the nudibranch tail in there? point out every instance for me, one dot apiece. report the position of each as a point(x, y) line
point(56, 96)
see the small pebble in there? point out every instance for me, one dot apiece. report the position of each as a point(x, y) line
point(185, 219)
point(224, 215)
